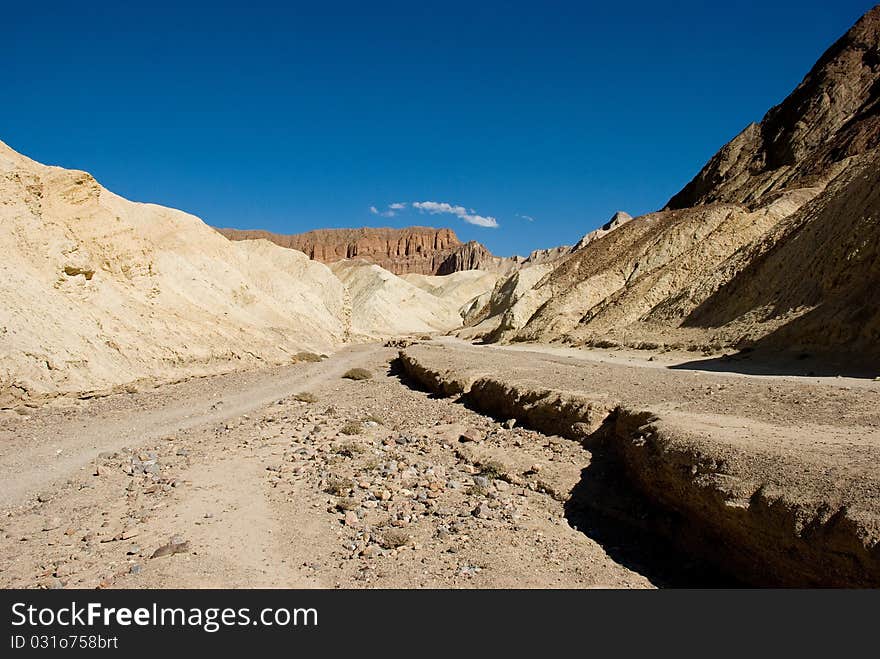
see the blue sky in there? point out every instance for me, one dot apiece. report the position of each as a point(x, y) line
point(304, 116)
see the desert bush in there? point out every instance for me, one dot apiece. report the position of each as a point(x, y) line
point(357, 374)
point(338, 486)
point(347, 504)
point(394, 538)
point(305, 397)
point(352, 429)
point(476, 491)
point(492, 469)
point(306, 357)
point(350, 449)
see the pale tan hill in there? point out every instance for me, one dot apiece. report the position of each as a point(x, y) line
point(384, 305)
point(98, 291)
point(517, 297)
point(510, 304)
point(459, 289)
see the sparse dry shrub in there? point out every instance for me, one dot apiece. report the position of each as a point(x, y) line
point(476, 491)
point(347, 504)
point(305, 397)
point(357, 374)
point(338, 486)
point(305, 357)
point(350, 449)
point(352, 429)
point(394, 538)
point(493, 469)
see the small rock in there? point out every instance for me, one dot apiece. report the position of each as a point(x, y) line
point(470, 435)
point(482, 511)
point(177, 545)
point(55, 584)
point(468, 570)
point(510, 423)
point(481, 482)
point(371, 551)
point(135, 569)
point(351, 518)
point(51, 524)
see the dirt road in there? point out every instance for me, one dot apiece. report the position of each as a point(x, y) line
point(296, 477)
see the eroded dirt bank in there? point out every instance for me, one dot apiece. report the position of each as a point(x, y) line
point(771, 480)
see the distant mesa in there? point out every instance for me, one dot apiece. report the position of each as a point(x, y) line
point(412, 250)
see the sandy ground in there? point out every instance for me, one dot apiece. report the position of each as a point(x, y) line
point(231, 481)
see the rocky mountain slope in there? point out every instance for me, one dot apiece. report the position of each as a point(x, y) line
point(773, 244)
point(99, 291)
point(810, 284)
point(804, 141)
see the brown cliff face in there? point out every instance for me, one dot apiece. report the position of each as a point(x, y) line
point(832, 115)
point(420, 250)
point(474, 256)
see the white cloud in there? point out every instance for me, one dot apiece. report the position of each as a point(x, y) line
point(528, 218)
point(391, 211)
point(435, 207)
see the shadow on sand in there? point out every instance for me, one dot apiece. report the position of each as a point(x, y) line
point(605, 508)
point(759, 363)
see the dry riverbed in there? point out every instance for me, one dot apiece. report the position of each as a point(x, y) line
point(298, 477)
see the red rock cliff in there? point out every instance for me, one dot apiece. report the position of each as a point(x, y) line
point(414, 249)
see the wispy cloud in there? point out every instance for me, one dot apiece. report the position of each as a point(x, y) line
point(527, 218)
point(390, 211)
point(437, 207)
